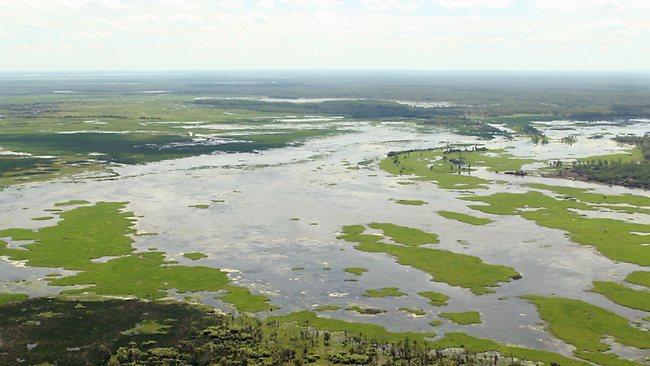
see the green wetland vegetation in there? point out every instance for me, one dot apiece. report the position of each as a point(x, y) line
point(102, 230)
point(395, 162)
point(444, 266)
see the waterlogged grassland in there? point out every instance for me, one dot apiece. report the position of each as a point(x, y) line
point(463, 318)
point(615, 239)
point(450, 340)
point(103, 230)
point(194, 255)
point(413, 311)
point(623, 295)
point(435, 298)
point(9, 298)
point(62, 136)
point(468, 219)
point(410, 202)
point(451, 170)
point(384, 292)
point(405, 235)
point(473, 344)
point(444, 266)
point(640, 278)
point(83, 234)
point(585, 326)
point(356, 270)
point(598, 199)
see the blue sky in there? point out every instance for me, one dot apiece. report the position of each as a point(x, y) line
point(325, 34)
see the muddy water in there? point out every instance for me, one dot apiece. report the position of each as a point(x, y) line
point(252, 235)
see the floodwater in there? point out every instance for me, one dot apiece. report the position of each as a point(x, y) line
point(252, 235)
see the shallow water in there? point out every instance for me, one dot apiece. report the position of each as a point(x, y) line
point(251, 232)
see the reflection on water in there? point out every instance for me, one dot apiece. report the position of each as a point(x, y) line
point(253, 234)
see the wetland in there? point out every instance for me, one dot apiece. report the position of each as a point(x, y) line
point(327, 231)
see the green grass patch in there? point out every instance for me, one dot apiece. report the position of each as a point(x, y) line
point(585, 326)
point(444, 266)
point(473, 344)
point(405, 235)
point(365, 311)
point(10, 298)
point(623, 295)
point(435, 298)
point(613, 238)
point(384, 292)
point(464, 318)
point(468, 219)
point(356, 270)
point(90, 232)
point(72, 203)
point(451, 170)
point(411, 202)
point(200, 205)
point(320, 308)
point(414, 311)
point(194, 255)
point(371, 331)
point(639, 277)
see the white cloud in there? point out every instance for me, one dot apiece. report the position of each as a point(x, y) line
point(143, 19)
point(475, 4)
point(179, 4)
point(35, 23)
point(185, 19)
point(392, 5)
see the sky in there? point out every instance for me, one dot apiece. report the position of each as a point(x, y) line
point(88, 35)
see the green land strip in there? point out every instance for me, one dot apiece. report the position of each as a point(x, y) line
point(71, 203)
point(623, 295)
point(450, 340)
point(435, 298)
point(615, 239)
point(410, 202)
point(194, 255)
point(414, 311)
point(463, 318)
point(451, 170)
point(356, 270)
point(640, 278)
point(102, 230)
point(585, 326)
point(365, 311)
point(200, 205)
point(444, 266)
point(468, 219)
point(586, 195)
point(384, 292)
point(9, 298)
point(405, 235)
point(320, 308)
